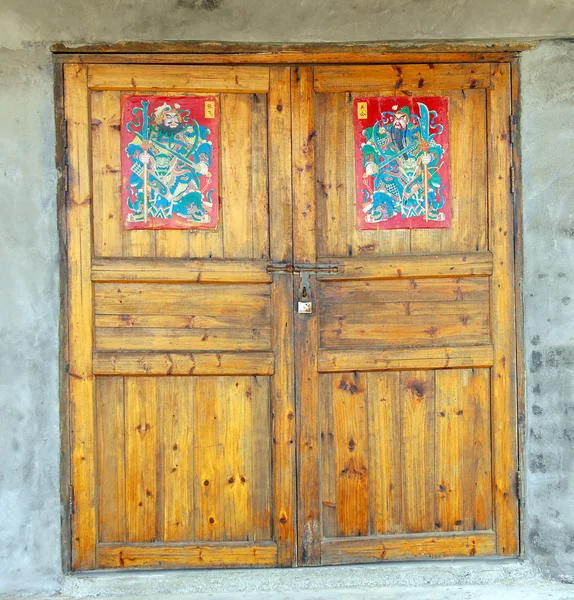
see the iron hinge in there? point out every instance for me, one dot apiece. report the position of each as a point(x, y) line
point(519, 485)
point(512, 178)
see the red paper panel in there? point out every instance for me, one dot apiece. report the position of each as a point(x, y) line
point(402, 162)
point(170, 159)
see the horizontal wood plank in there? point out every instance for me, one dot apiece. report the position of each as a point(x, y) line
point(375, 359)
point(182, 299)
point(256, 320)
point(412, 546)
point(301, 57)
point(180, 78)
point(178, 363)
point(174, 556)
point(356, 78)
point(163, 339)
point(407, 266)
point(174, 270)
point(405, 290)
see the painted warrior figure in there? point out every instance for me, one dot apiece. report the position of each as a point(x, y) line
point(402, 160)
point(170, 156)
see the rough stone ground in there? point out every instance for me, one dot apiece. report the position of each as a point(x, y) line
point(532, 590)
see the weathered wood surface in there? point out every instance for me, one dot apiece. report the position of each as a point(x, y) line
point(404, 547)
point(178, 363)
point(418, 78)
point(80, 324)
point(186, 556)
point(409, 266)
point(395, 359)
point(504, 382)
point(172, 78)
point(405, 452)
point(306, 326)
point(159, 270)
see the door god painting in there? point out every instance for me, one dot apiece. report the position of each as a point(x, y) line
point(402, 162)
point(170, 162)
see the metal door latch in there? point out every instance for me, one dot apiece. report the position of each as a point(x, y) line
point(304, 300)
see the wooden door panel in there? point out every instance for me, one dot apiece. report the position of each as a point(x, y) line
point(405, 452)
point(338, 235)
point(184, 459)
point(182, 372)
point(243, 231)
point(407, 355)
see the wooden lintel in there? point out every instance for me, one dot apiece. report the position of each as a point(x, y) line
point(213, 47)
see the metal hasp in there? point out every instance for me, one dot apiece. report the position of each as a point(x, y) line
point(304, 299)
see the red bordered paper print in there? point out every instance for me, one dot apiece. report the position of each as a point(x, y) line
point(170, 159)
point(402, 162)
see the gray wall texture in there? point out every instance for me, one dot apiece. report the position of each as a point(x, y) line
point(29, 422)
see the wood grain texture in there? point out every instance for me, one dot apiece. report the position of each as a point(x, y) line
point(284, 515)
point(405, 77)
point(403, 547)
point(306, 326)
point(106, 164)
point(254, 80)
point(80, 326)
point(378, 359)
point(410, 266)
point(279, 109)
point(178, 363)
point(181, 299)
point(175, 464)
point(349, 407)
point(418, 450)
point(187, 556)
point(504, 383)
point(110, 420)
point(385, 442)
point(141, 438)
point(159, 270)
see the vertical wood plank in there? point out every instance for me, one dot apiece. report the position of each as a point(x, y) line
point(385, 468)
point(280, 182)
point(141, 437)
point(283, 412)
point(107, 173)
point(328, 458)
point(330, 110)
point(501, 242)
point(306, 326)
point(351, 439)
point(450, 451)
point(418, 448)
point(111, 459)
point(80, 324)
point(259, 440)
point(172, 243)
point(236, 182)
point(234, 401)
point(259, 183)
point(175, 406)
point(208, 453)
point(477, 476)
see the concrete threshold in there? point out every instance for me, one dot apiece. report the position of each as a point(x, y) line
point(493, 578)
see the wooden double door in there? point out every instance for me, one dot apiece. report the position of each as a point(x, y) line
point(213, 425)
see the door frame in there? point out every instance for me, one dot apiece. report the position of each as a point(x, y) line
point(221, 53)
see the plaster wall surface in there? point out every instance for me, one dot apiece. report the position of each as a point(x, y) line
point(29, 295)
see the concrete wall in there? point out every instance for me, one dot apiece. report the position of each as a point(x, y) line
point(29, 423)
